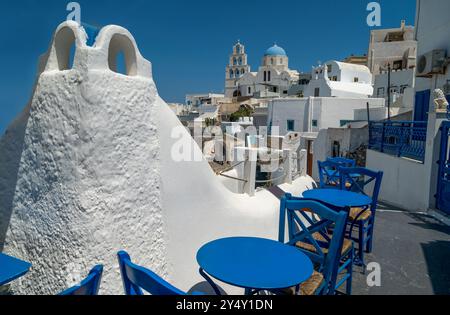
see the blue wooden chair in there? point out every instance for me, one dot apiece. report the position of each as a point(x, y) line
point(328, 174)
point(88, 286)
point(320, 233)
point(343, 162)
point(136, 278)
point(362, 219)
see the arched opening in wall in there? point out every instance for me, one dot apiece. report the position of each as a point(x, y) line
point(121, 63)
point(65, 47)
point(122, 55)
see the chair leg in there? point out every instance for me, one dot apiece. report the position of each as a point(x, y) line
point(369, 246)
point(350, 272)
point(361, 244)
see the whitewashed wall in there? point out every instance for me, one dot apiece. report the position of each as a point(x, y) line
point(328, 112)
point(87, 182)
point(433, 27)
point(405, 181)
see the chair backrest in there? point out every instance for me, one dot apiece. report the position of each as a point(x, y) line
point(328, 174)
point(307, 218)
point(88, 286)
point(343, 162)
point(136, 278)
point(368, 184)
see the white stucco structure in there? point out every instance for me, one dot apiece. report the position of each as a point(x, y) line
point(86, 183)
point(402, 87)
point(313, 114)
point(339, 79)
point(404, 181)
point(431, 33)
point(395, 47)
point(207, 99)
point(88, 170)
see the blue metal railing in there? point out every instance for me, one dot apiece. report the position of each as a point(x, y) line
point(399, 138)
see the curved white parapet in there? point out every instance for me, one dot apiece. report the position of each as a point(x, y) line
point(87, 170)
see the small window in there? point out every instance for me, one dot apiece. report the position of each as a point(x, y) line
point(335, 78)
point(265, 76)
point(290, 125)
point(314, 123)
point(356, 79)
point(380, 91)
point(316, 92)
point(329, 68)
point(268, 76)
point(249, 90)
point(285, 92)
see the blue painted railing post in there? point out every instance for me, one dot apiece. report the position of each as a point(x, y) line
point(402, 138)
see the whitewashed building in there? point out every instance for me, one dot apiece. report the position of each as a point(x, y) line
point(313, 114)
point(339, 79)
point(395, 47)
point(402, 84)
point(211, 99)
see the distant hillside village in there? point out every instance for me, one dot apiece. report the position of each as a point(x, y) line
point(326, 107)
point(380, 102)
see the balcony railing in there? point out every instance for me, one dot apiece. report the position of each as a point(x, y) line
point(399, 138)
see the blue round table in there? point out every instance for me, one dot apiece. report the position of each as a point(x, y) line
point(338, 198)
point(254, 264)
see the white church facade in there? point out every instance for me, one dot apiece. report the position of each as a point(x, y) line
point(273, 79)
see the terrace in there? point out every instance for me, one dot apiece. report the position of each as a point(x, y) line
point(412, 250)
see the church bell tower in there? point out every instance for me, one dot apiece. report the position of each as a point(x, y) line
point(237, 67)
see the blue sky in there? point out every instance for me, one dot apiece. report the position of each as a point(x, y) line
point(189, 41)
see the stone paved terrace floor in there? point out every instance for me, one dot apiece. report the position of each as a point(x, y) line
point(414, 253)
